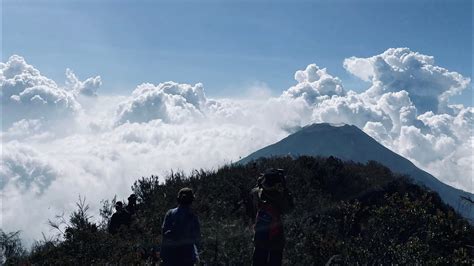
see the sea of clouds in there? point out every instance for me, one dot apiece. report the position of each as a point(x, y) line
point(62, 141)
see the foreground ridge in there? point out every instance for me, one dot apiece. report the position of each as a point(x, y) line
point(346, 212)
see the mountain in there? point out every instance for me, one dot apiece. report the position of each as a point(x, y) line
point(348, 142)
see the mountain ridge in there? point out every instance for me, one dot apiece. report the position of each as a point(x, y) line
point(362, 212)
point(348, 142)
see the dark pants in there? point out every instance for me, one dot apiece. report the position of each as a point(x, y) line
point(265, 257)
point(164, 263)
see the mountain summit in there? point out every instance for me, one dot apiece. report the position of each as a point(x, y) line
point(348, 142)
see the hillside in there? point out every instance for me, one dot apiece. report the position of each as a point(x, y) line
point(347, 211)
point(350, 143)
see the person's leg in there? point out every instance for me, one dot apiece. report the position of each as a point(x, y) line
point(276, 257)
point(260, 257)
point(177, 263)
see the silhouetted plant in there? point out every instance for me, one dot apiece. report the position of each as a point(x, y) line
point(345, 212)
point(12, 251)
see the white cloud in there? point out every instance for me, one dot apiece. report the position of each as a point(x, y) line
point(100, 165)
point(26, 94)
point(350, 109)
point(24, 167)
point(88, 87)
point(378, 131)
point(314, 82)
point(117, 139)
point(399, 108)
point(25, 129)
point(396, 69)
point(169, 101)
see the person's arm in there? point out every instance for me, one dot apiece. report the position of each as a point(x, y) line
point(196, 254)
point(254, 195)
point(166, 227)
point(165, 234)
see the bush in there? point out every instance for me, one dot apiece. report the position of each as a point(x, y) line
point(345, 212)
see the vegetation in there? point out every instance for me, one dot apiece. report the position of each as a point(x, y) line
point(346, 213)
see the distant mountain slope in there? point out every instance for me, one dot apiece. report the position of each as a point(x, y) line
point(350, 143)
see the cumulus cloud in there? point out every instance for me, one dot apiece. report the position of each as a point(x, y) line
point(169, 101)
point(26, 94)
point(443, 145)
point(378, 131)
point(87, 87)
point(393, 109)
point(314, 82)
point(156, 128)
point(351, 109)
point(396, 69)
point(406, 108)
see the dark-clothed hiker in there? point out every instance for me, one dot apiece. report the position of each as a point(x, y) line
point(181, 233)
point(132, 204)
point(119, 218)
point(273, 200)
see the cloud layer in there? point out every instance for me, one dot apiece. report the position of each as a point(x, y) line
point(59, 142)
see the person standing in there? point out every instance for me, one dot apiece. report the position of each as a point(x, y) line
point(180, 233)
point(132, 205)
point(272, 199)
point(119, 218)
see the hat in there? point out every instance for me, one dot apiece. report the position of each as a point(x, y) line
point(272, 177)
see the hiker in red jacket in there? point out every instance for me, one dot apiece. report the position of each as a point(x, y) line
point(272, 200)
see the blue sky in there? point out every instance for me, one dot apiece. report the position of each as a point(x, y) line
point(229, 45)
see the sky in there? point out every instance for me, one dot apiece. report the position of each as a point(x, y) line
point(228, 45)
point(96, 94)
